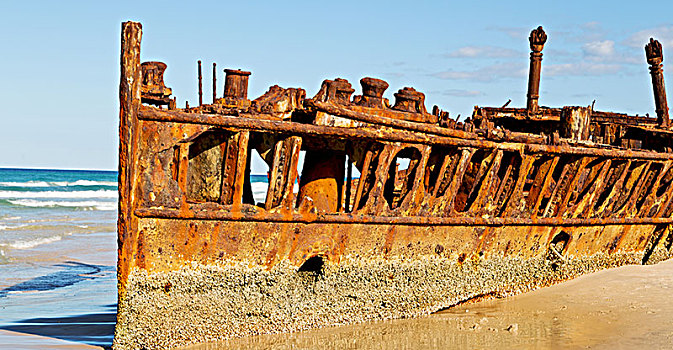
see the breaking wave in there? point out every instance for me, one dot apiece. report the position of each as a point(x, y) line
point(59, 194)
point(58, 183)
point(31, 243)
point(91, 205)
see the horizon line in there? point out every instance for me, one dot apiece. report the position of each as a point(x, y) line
point(47, 168)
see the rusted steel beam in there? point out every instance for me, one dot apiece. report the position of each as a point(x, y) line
point(397, 123)
point(627, 208)
point(233, 165)
point(364, 176)
point(585, 203)
point(537, 40)
point(153, 114)
point(498, 203)
point(630, 184)
point(129, 102)
point(449, 198)
point(283, 173)
point(569, 189)
point(655, 56)
point(653, 197)
point(668, 198)
point(228, 215)
point(513, 206)
point(485, 189)
point(615, 193)
point(540, 184)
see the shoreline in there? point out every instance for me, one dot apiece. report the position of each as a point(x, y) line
point(619, 308)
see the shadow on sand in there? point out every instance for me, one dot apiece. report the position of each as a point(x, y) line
point(93, 329)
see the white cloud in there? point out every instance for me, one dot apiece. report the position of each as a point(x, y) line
point(487, 73)
point(580, 69)
point(483, 52)
point(662, 33)
point(599, 49)
point(462, 93)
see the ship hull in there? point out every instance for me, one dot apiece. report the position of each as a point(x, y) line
point(237, 279)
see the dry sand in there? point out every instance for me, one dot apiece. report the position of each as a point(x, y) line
point(630, 307)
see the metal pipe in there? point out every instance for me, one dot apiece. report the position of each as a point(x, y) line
point(225, 214)
point(214, 82)
point(200, 85)
point(537, 40)
point(655, 57)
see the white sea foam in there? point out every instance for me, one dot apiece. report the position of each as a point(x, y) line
point(60, 194)
point(85, 183)
point(31, 243)
point(58, 183)
point(10, 218)
point(93, 205)
point(25, 184)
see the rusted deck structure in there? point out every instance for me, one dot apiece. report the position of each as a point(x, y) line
point(442, 211)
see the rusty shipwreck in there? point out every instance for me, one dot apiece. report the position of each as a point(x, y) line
point(509, 200)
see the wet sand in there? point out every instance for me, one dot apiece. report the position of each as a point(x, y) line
point(629, 307)
point(18, 340)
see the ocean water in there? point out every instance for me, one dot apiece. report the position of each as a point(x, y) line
point(58, 252)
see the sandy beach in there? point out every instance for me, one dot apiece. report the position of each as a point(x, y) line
point(624, 308)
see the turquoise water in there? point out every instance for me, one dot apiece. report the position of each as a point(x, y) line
point(58, 253)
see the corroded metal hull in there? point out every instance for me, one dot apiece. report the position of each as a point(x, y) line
point(476, 212)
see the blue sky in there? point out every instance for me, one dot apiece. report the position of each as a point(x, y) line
point(59, 71)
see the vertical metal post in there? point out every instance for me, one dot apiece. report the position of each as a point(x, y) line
point(537, 40)
point(129, 107)
point(349, 180)
point(200, 85)
point(214, 82)
point(655, 56)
